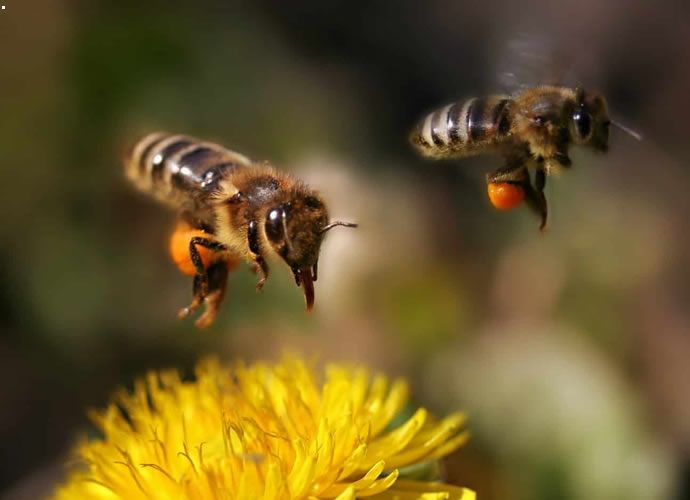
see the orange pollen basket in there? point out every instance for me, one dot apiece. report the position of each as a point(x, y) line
point(179, 249)
point(505, 196)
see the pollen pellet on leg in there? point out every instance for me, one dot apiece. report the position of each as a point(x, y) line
point(179, 249)
point(505, 196)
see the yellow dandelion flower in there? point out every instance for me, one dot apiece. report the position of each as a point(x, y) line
point(263, 432)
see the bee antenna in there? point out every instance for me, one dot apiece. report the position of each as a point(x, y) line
point(627, 130)
point(283, 216)
point(336, 223)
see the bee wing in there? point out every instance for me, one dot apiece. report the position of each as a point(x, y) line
point(529, 60)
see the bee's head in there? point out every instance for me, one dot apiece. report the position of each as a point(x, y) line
point(589, 123)
point(295, 229)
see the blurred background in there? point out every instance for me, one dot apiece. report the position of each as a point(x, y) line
point(569, 350)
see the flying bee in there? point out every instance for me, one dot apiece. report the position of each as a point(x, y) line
point(230, 209)
point(531, 129)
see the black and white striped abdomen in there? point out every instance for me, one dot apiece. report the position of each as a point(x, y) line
point(463, 128)
point(174, 168)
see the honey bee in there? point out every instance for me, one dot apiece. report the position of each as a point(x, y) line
point(532, 129)
point(230, 209)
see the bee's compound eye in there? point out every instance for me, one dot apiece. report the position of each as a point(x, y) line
point(274, 225)
point(583, 124)
point(505, 196)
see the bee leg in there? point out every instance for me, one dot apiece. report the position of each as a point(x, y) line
point(534, 196)
point(260, 267)
point(201, 279)
point(514, 174)
point(197, 298)
point(556, 163)
point(217, 280)
point(563, 159)
point(198, 263)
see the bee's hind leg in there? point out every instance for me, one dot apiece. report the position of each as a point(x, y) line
point(513, 174)
point(534, 196)
point(217, 280)
point(197, 297)
point(209, 284)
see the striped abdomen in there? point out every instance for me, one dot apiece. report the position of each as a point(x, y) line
point(464, 128)
point(179, 169)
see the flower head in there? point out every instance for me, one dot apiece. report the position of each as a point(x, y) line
point(262, 432)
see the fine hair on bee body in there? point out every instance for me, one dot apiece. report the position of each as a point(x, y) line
point(231, 209)
point(532, 129)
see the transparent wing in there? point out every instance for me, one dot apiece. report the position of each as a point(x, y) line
point(528, 59)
